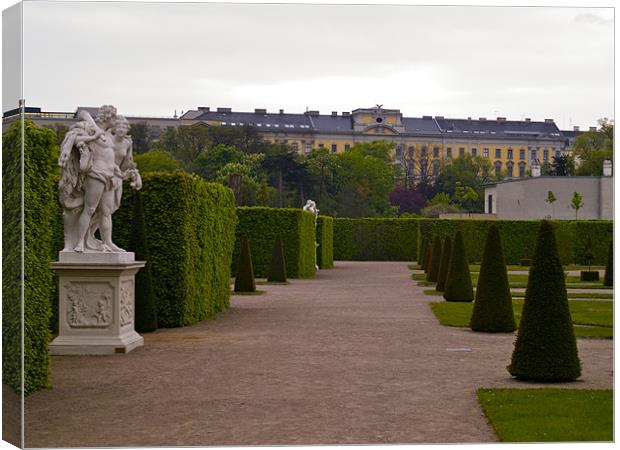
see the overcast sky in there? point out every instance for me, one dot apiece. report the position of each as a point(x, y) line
point(153, 58)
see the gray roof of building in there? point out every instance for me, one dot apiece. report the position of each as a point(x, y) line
point(542, 177)
point(414, 125)
point(327, 123)
point(503, 128)
point(571, 133)
point(275, 120)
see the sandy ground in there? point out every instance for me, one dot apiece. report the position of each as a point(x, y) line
point(351, 356)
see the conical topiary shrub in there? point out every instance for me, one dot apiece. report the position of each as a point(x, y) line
point(458, 281)
point(433, 268)
point(609, 268)
point(244, 281)
point(443, 266)
point(427, 258)
point(422, 253)
point(493, 306)
point(277, 271)
point(145, 312)
point(545, 349)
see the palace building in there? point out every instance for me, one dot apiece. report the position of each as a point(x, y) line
point(421, 143)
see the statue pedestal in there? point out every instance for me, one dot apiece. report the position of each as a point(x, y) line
point(96, 309)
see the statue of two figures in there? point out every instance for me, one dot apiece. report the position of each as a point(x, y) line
point(95, 158)
point(310, 206)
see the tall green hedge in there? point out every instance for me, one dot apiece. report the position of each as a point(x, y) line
point(262, 225)
point(325, 239)
point(39, 154)
point(375, 239)
point(519, 237)
point(190, 235)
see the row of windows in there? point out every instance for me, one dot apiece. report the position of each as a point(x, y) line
point(423, 167)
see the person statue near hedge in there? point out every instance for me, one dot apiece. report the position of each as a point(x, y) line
point(310, 206)
point(95, 158)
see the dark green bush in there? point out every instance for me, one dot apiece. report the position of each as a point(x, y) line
point(145, 313)
point(277, 270)
point(325, 239)
point(422, 254)
point(435, 262)
point(586, 275)
point(262, 225)
point(444, 265)
point(458, 280)
point(244, 279)
point(545, 349)
point(492, 310)
point(190, 230)
point(375, 239)
point(609, 269)
point(525, 262)
point(39, 207)
point(519, 237)
point(427, 258)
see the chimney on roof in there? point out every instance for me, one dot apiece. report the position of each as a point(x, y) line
point(260, 111)
point(204, 108)
point(607, 168)
point(527, 119)
point(576, 128)
point(439, 117)
point(469, 118)
point(548, 120)
point(281, 111)
point(592, 128)
point(345, 114)
point(312, 113)
point(482, 119)
point(501, 119)
point(334, 113)
point(427, 117)
point(224, 110)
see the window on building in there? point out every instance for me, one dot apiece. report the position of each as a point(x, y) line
point(321, 145)
point(490, 204)
point(348, 146)
point(295, 146)
point(411, 152)
point(424, 151)
point(485, 152)
point(546, 155)
point(436, 167)
point(410, 168)
point(533, 154)
point(474, 152)
point(308, 147)
point(399, 152)
point(461, 151)
point(522, 154)
point(558, 153)
point(521, 170)
point(334, 148)
point(498, 168)
point(510, 170)
point(498, 153)
point(423, 166)
point(509, 153)
point(436, 151)
point(449, 152)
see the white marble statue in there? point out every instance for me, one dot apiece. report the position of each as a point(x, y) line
point(311, 207)
point(95, 158)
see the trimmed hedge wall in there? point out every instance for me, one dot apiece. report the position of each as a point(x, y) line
point(262, 225)
point(190, 231)
point(375, 239)
point(519, 237)
point(325, 238)
point(40, 150)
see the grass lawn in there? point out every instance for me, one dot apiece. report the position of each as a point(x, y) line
point(590, 319)
point(572, 295)
point(549, 415)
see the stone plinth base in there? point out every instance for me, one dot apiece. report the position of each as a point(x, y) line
point(96, 304)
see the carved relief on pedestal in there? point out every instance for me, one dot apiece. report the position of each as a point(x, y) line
point(89, 304)
point(126, 311)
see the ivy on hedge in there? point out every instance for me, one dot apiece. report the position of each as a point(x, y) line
point(190, 236)
point(261, 225)
point(325, 239)
point(376, 239)
point(39, 153)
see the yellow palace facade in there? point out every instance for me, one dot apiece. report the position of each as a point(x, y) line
point(421, 143)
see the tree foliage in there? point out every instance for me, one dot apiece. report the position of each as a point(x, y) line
point(593, 147)
point(157, 160)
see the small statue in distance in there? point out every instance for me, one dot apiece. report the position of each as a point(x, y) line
point(96, 156)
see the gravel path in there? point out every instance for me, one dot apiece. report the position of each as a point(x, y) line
point(352, 356)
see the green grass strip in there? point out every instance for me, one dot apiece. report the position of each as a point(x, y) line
point(590, 319)
point(577, 295)
point(549, 415)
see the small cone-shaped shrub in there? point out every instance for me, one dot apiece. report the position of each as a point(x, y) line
point(244, 281)
point(277, 271)
point(433, 268)
point(427, 258)
point(422, 254)
point(145, 313)
point(493, 306)
point(609, 268)
point(443, 266)
point(458, 281)
point(545, 349)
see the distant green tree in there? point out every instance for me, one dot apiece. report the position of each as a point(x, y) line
point(593, 147)
point(471, 172)
point(563, 166)
point(576, 203)
point(551, 199)
point(209, 162)
point(157, 160)
point(140, 136)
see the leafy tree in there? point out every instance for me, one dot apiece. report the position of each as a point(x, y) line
point(253, 188)
point(140, 136)
point(493, 306)
point(185, 143)
point(439, 204)
point(466, 196)
point(545, 349)
point(321, 167)
point(471, 172)
point(157, 160)
point(563, 166)
point(407, 200)
point(546, 168)
point(210, 162)
point(593, 147)
point(282, 167)
point(551, 199)
point(576, 203)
